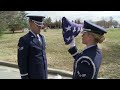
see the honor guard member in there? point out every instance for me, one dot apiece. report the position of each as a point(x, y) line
point(87, 63)
point(32, 60)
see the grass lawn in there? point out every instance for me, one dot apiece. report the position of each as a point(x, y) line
point(58, 56)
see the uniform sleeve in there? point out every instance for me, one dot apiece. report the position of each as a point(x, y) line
point(85, 68)
point(23, 58)
point(74, 52)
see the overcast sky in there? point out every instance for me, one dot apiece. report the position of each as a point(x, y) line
point(83, 15)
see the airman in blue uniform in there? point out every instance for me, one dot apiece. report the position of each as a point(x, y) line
point(32, 61)
point(87, 63)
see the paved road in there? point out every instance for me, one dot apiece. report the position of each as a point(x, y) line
point(13, 73)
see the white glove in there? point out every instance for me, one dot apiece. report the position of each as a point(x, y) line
point(72, 44)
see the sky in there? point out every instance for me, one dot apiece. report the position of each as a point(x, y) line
point(83, 15)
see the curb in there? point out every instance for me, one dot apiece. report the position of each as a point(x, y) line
point(50, 70)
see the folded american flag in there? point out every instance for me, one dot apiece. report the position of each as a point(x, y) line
point(70, 30)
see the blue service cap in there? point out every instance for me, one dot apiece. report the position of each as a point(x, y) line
point(91, 27)
point(36, 18)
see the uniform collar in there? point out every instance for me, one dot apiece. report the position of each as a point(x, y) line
point(89, 47)
point(33, 33)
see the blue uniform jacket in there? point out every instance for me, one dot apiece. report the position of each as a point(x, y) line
point(87, 63)
point(32, 60)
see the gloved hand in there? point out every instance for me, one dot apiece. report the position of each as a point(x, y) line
point(72, 44)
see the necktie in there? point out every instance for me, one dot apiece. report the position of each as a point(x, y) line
point(39, 38)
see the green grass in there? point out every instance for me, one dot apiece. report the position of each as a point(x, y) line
point(110, 67)
point(57, 52)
